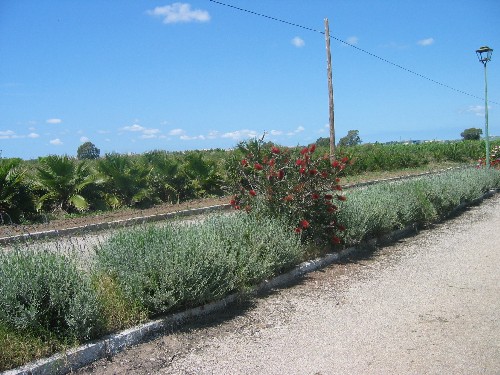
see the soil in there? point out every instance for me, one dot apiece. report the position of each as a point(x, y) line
point(79, 221)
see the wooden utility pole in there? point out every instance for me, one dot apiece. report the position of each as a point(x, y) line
point(330, 91)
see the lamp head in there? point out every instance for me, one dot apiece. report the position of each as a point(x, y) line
point(484, 54)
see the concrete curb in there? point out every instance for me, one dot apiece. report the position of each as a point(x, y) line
point(113, 224)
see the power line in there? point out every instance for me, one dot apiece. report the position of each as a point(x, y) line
point(352, 46)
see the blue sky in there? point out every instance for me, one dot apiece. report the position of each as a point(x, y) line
point(137, 75)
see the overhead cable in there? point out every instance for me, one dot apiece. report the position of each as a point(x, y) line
point(353, 46)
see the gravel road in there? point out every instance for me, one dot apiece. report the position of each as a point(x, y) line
point(429, 304)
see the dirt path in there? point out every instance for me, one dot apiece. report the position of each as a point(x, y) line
point(427, 305)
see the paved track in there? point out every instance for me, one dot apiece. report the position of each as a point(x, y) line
point(427, 305)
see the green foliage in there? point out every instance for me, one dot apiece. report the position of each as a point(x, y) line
point(126, 180)
point(45, 294)
point(301, 187)
point(62, 181)
point(21, 347)
point(471, 134)
point(380, 208)
point(351, 139)
point(179, 266)
point(165, 179)
point(201, 175)
point(88, 150)
point(16, 201)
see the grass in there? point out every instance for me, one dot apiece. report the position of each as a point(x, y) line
point(48, 304)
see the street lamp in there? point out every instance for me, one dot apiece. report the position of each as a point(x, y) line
point(484, 55)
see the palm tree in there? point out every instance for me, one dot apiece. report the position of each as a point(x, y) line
point(165, 179)
point(126, 180)
point(62, 181)
point(202, 175)
point(16, 202)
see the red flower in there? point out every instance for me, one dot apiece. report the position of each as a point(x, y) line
point(272, 162)
point(281, 174)
point(335, 164)
point(232, 202)
point(341, 197)
point(345, 159)
point(324, 174)
point(248, 208)
point(288, 198)
point(252, 193)
point(304, 151)
point(328, 196)
point(304, 224)
point(338, 187)
point(258, 167)
point(312, 148)
point(244, 162)
point(298, 230)
point(313, 171)
point(331, 209)
point(314, 196)
point(299, 162)
point(275, 150)
point(340, 227)
point(335, 240)
point(337, 180)
point(302, 170)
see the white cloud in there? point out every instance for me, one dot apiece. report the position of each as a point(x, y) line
point(188, 138)
point(425, 42)
point(298, 130)
point(84, 139)
point(103, 131)
point(6, 134)
point(276, 132)
point(298, 42)
point(56, 142)
point(134, 128)
point(213, 134)
point(147, 133)
point(151, 131)
point(352, 40)
point(179, 12)
point(176, 132)
point(9, 134)
point(478, 110)
point(53, 121)
point(240, 134)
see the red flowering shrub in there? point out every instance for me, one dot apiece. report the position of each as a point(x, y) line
point(295, 184)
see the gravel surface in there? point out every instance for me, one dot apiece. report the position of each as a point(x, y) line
point(426, 305)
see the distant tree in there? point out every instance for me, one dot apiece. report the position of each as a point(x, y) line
point(471, 134)
point(351, 139)
point(323, 142)
point(88, 150)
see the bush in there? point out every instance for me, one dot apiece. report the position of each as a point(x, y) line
point(45, 294)
point(380, 208)
point(299, 187)
point(176, 266)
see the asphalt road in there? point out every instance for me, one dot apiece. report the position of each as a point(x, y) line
point(429, 304)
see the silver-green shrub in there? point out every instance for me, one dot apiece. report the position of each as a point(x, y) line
point(175, 266)
point(378, 209)
point(45, 293)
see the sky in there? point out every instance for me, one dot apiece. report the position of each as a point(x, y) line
point(133, 76)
